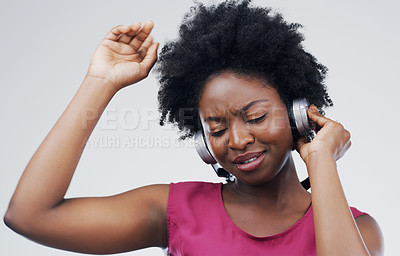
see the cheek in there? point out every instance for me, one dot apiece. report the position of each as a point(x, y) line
point(280, 121)
point(276, 129)
point(218, 146)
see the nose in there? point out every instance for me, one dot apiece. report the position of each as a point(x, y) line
point(239, 137)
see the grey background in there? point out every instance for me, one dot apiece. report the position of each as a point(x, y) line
point(45, 50)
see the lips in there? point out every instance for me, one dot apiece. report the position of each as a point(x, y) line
point(249, 161)
point(246, 157)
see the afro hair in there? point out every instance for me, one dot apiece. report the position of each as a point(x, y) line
point(234, 36)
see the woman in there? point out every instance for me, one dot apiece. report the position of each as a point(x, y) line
point(235, 68)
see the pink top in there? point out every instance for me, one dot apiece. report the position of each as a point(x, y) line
point(199, 225)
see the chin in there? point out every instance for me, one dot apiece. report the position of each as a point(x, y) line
point(257, 178)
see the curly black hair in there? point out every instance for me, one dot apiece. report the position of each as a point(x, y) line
point(234, 36)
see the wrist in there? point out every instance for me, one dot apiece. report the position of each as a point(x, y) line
point(319, 158)
point(101, 83)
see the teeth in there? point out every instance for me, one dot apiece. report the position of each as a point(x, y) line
point(250, 160)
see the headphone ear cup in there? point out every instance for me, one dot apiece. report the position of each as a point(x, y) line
point(201, 148)
point(299, 108)
point(298, 118)
point(206, 156)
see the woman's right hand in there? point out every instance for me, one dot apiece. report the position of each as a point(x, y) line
point(125, 56)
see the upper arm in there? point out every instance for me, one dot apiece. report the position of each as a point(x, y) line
point(132, 220)
point(371, 234)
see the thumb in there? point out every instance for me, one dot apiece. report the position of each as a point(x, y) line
point(151, 56)
point(300, 143)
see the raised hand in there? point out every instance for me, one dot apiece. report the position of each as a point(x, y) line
point(125, 56)
point(332, 138)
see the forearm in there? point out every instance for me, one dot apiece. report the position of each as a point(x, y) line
point(335, 229)
point(48, 174)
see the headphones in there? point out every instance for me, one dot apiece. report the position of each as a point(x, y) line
point(300, 125)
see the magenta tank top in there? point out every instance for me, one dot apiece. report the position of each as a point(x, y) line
point(198, 225)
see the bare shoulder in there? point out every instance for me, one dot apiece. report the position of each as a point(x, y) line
point(158, 192)
point(371, 233)
point(155, 195)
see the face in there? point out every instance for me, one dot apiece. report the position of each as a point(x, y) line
point(246, 125)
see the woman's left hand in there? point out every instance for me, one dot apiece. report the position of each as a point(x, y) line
point(332, 138)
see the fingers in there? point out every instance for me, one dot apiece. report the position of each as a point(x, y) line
point(140, 37)
point(118, 31)
point(132, 35)
point(320, 120)
point(316, 117)
point(127, 36)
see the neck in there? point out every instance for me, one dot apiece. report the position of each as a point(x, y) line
point(280, 192)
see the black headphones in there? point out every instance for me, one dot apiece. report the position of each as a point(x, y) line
point(301, 127)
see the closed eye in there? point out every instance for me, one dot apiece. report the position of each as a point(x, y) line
point(257, 120)
point(218, 133)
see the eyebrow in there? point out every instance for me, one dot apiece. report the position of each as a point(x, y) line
point(217, 119)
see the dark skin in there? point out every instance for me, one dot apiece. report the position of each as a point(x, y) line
point(129, 221)
point(272, 194)
point(241, 114)
point(138, 218)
